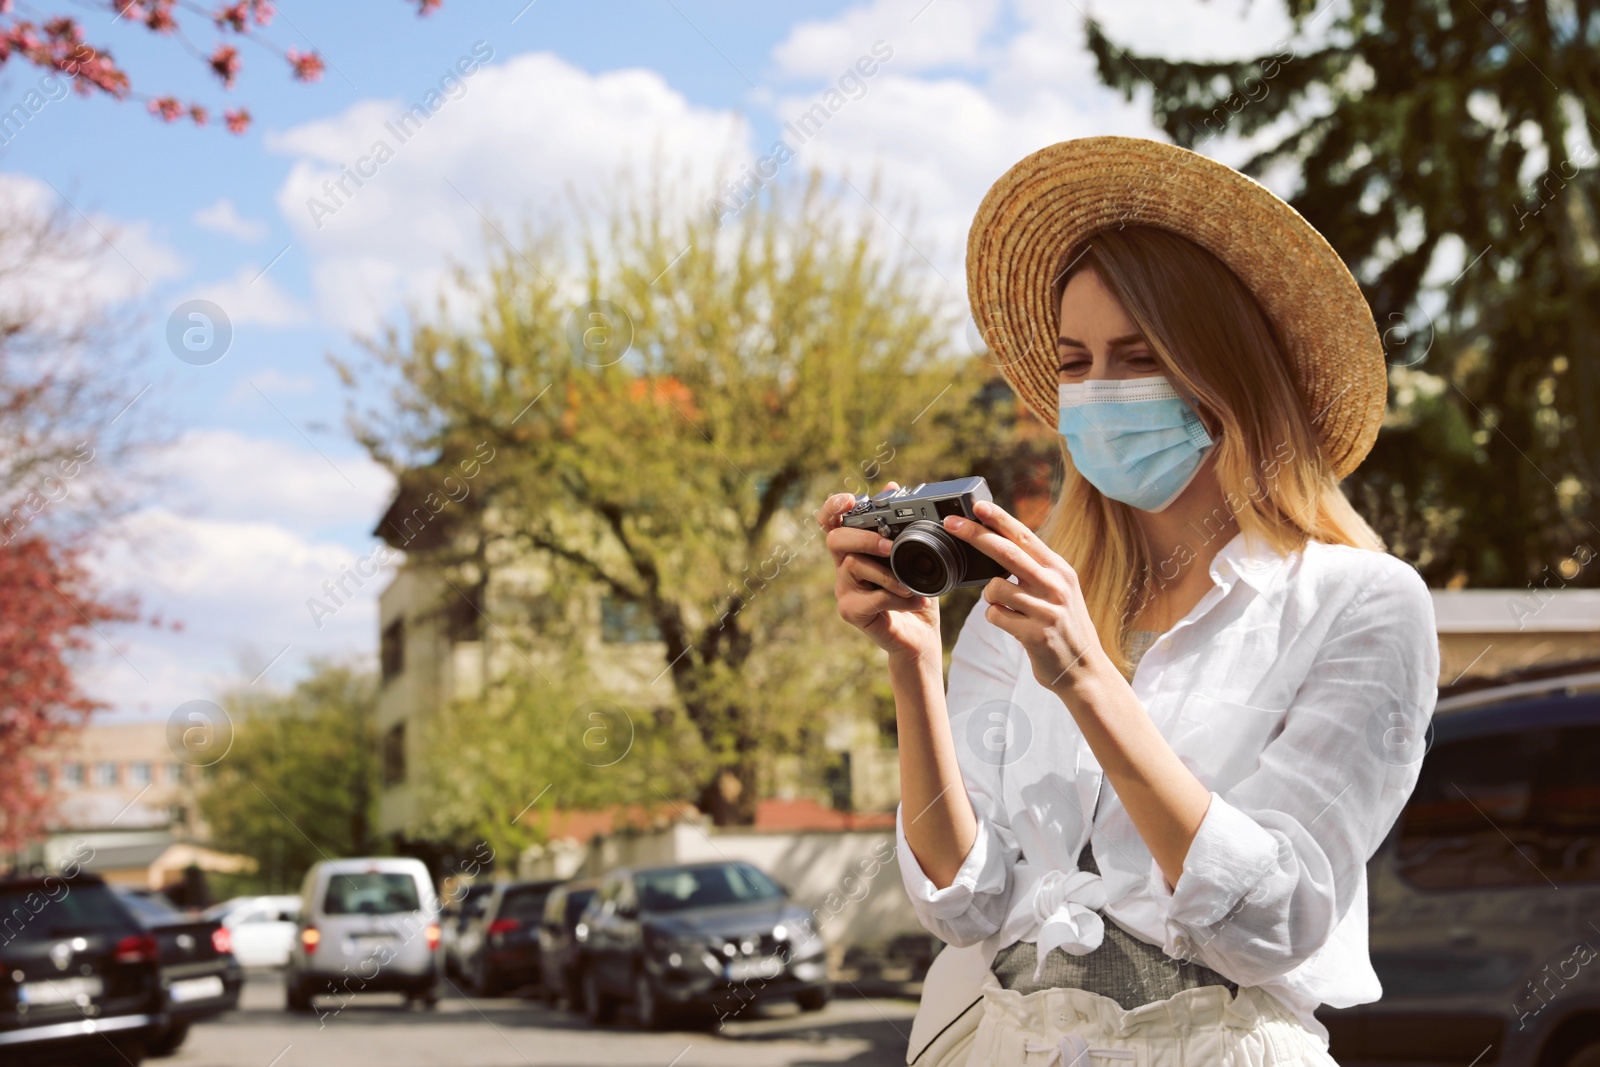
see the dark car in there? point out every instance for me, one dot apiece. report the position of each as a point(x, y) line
point(704, 937)
point(506, 949)
point(199, 975)
point(1485, 895)
point(558, 940)
point(80, 979)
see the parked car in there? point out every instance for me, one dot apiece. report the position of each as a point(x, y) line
point(199, 974)
point(507, 952)
point(1485, 895)
point(262, 928)
point(455, 918)
point(83, 977)
point(558, 941)
point(704, 936)
point(366, 926)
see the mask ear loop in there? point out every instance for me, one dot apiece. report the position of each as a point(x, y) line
point(1193, 400)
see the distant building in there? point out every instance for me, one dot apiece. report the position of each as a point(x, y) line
point(121, 776)
point(436, 645)
point(126, 808)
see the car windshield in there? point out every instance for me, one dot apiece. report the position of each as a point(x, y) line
point(370, 893)
point(41, 913)
point(524, 903)
point(681, 888)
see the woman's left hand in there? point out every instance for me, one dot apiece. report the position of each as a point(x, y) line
point(1044, 608)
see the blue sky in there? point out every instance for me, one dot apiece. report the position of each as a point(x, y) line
point(262, 494)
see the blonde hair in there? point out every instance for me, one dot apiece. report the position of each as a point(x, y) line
point(1213, 342)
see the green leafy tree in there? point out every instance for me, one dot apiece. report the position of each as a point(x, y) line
point(299, 783)
point(1444, 148)
point(668, 398)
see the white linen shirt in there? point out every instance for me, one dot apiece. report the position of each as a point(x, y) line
point(1298, 691)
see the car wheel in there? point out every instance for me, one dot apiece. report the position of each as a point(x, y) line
point(572, 990)
point(651, 1013)
point(598, 1008)
point(168, 1041)
point(296, 997)
point(813, 999)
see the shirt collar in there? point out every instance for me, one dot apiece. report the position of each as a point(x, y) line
point(1254, 560)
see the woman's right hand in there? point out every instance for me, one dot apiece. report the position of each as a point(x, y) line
point(870, 597)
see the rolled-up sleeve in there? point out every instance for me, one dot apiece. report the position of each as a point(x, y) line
point(1278, 859)
point(983, 674)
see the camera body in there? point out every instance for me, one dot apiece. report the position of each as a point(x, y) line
point(929, 560)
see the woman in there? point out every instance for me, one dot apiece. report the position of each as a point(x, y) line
point(1172, 740)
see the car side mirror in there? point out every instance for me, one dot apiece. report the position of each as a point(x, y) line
point(628, 911)
point(286, 916)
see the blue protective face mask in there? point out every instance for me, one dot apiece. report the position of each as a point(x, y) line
point(1135, 439)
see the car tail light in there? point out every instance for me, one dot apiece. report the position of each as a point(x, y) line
point(432, 934)
point(136, 948)
point(504, 926)
point(310, 937)
point(222, 940)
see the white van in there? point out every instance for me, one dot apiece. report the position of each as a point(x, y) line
point(365, 926)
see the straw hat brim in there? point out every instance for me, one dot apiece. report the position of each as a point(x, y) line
point(1050, 201)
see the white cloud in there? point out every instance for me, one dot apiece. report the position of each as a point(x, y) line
point(222, 217)
point(103, 261)
point(1185, 29)
point(253, 298)
point(523, 133)
point(287, 484)
point(241, 534)
point(922, 35)
point(239, 589)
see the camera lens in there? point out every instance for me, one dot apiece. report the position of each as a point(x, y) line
point(926, 559)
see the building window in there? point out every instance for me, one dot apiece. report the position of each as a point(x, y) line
point(41, 774)
point(72, 774)
point(624, 622)
point(392, 649)
point(174, 773)
point(394, 754)
point(139, 774)
point(105, 774)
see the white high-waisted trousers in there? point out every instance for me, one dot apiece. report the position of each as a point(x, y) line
point(1200, 1027)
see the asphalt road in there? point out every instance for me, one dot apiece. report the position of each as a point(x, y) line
point(377, 1030)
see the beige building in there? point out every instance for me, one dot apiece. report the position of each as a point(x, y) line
point(121, 776)
point(126, 808)
point(437, 644)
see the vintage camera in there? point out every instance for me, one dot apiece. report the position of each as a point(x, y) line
point(927, 559)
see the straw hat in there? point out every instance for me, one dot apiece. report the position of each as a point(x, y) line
point(1046, 204)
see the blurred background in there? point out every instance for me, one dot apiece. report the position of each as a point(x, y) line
point(412, 415)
